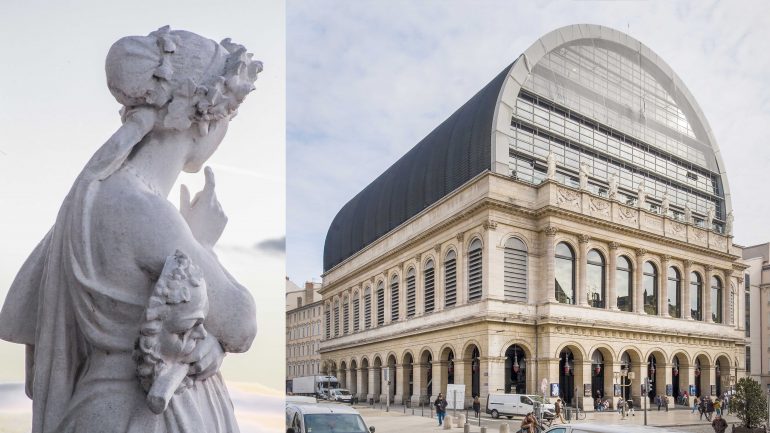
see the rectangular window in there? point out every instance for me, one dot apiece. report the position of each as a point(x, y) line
point(345, 318)
point(380, 307)
point(337, 320)
point(356, 315)
point(410, 296)
point(367, 311)
point(747, 281)
point(328, 323)
point(394, 300)
point(429, 290)
point(474, 275)
point(450, 282)
point(748, 313)
point(515, 275)
point(748, 360)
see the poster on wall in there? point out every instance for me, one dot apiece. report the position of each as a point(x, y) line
point(616, 390)
point(669, 389)
point(692, 390)
point(713, 390)
point(554, 390)
point(586, 390)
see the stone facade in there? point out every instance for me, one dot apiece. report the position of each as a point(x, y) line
point(303, 330)
point(756, 290)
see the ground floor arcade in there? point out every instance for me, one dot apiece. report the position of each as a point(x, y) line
point(581, 364)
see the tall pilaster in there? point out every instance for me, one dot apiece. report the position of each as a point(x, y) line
point(549, 236)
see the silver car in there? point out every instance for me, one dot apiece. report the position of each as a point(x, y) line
point(620, 428)
point(324, 418)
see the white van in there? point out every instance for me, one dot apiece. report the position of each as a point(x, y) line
point(509, 405)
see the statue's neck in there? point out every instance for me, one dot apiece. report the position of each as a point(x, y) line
point(157, 163)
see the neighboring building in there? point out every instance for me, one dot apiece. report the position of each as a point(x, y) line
point(303, 330)
point(568, 224)
point(756, 282)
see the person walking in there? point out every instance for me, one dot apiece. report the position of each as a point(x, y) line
point(718, 407)
point(441, 405)
point(476, 405)
point(528, 424)
point(719, 424)
point(695, 402)
point(665, 402)
point(658, 401)
point(559, 405)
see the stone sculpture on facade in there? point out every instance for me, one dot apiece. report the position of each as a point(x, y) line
point(729, 224)
point(551, 169)
point(583, 176)
point(664, 205)
point(709, 223)
point(687, 214)
point(113, 302)
point(641, 195)
point(613, 192)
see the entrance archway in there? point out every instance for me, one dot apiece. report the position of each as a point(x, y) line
point(698, 376)
point(364, 391)
point(651, 368)
point(407, 381)
point(567, 375)
point(625, 368)
point(377, 371)
point(353, 385)
point(675, 378)
point(474, 355)
point(391, 390)
point(597, 377)
point(426, 372)
point(450, 368)
point(515, 370)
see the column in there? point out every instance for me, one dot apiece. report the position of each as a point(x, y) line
point(439, 378)
point(374, 383)
point(640, 372)
point(420, 380)
point(492, 280)
point(550, 273)
point(462, 377)
point(663, 377)
point(612, 260)
point(687, 378)
point(663, 286)
point(686, 313)
point(581, 268)
point(707, 378)
point(727, 291)
point(494, 381)
point(399, 385)
point(609, 390)
point(462, 265)
point(639, 283)
point(583, 377)
point(707, 294)
point(362, 387)
point(350, 381)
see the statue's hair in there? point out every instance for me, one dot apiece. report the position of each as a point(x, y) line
point(179, 278)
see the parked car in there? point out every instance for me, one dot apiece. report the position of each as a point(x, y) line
point(623, 428)
point(341, 395)
point(509, 405)
point(324, 418)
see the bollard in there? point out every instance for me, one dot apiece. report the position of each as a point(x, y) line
point(483, 430)
point(466, 428)
point(460, 420)
point(504, 428)
point(404, 408)
point(448, 422)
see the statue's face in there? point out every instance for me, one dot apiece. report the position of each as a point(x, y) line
point(183, 328)
point(203, 147)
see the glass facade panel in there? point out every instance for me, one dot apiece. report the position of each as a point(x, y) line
point(716, 300)
point(595, 106)
point(674, 293)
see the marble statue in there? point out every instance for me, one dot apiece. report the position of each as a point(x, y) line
point(583, 176)
point(729, 224)
point(124, 309)
point(665, 204)
point(551, 163)
point(613, 192)
point(710, 217)
point(687, 214)
point(641, 195)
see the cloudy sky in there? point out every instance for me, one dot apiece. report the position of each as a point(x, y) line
point(368, 79)
point(57, 111)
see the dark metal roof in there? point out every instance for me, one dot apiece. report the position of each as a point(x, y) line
point(453, 153)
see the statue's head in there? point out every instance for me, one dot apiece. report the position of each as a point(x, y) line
point(173, 321)
point(190, 81)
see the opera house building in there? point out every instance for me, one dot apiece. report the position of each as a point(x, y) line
point(568, 229)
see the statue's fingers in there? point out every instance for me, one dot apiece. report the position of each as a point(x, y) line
point(210, 183)
point(184, 199)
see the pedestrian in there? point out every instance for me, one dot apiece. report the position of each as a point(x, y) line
point(528, 424)
point(718, 406)
point(719, 424)
point(559, 405)
point(476, 405)
point(657, 401)
point(695, 402)
point(620, 405)
point(665, 402)
point(441, 405)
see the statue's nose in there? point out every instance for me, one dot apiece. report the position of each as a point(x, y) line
point(199, 332)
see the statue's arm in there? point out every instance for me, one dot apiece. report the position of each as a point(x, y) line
point(232, 312)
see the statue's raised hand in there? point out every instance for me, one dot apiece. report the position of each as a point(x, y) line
point(203, 214)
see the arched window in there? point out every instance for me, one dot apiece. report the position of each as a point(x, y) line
point(337, 318)
point(515, 270)
point(380, 304)
point(394, 298)
point(450, 279)
point(674, 293)
point(595, 279)
point(474, 271)
point(410, 293)
point(650, 287)
point(564, 269)
point(346, 316)
point(356, 313)
point(716, 299)
point(368, 308)
point(328, 318)
point(624, 284)
point(696, 296)
point(429, 281)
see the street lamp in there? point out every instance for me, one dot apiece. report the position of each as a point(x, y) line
point(621, 377)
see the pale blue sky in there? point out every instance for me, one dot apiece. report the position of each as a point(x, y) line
point(368, 79)
point(57, 111)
